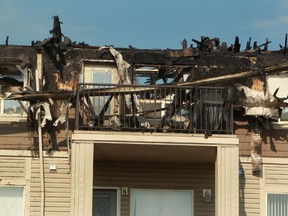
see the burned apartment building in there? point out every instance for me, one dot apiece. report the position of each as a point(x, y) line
point(88, 130)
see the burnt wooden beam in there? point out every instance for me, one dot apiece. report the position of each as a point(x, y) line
point(228, 77)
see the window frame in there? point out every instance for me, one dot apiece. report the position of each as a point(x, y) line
point(118, 197)
point(11, 117)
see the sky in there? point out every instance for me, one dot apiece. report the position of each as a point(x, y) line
point(145, 24)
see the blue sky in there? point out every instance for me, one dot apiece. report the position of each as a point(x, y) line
point(147, 23)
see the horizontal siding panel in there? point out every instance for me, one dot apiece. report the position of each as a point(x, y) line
point(275, 143)
point(63, 172)
point(35, 204)
point(14, 136)
point(11, 174)
point(51, 209)
point(14, 140)
point(12, 163)
point(276, 175)
point(57, 187)
point(55, 180)
point(51, 185)
point(12, 168)
point(51, 199)
point(275, 154)
point(244, 137)
point(49, 189)
point(14, 146)
point(249, 186)
point(53, 194)
point(47, 166)
point(278, 147)
point(50, 214)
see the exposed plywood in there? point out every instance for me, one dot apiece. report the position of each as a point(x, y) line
point(194, 177)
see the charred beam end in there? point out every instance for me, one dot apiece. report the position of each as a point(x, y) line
point(56, 31)
point(7, 40)
point(248, 44)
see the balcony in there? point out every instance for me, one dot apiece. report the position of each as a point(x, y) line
point(157, 108)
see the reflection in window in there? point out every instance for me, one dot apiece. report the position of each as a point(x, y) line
point(277, 204)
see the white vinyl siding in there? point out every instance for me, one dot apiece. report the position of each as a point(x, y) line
point(57, 187)
point(161, 203)
point(11, 201)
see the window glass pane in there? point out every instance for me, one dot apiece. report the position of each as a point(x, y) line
point(12, 107)
point(104, 202)
point(11, 201)
point(277, 204)
point(101, 76)
point(161, 203)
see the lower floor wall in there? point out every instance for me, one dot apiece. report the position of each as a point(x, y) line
point(255, 187)
point(193, 177)
point(22, 170)
point(249, 190)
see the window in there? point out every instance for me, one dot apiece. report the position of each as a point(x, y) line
point(277, 204)
point(104, 202)
point(101, 73)
point(161, 203)
point(11, 84)
point(11, 201)
point(11, 108)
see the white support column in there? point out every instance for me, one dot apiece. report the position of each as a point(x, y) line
point(82, 178)
point(227, 181)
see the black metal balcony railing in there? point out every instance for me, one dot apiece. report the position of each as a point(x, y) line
point(153, 108)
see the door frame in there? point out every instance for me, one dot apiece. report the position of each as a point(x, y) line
point(118, 197)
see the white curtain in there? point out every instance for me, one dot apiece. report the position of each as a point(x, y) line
point(162, 203)
point(11, 201)
point(277, 204)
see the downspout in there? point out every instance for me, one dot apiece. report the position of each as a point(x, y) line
point(38, 76)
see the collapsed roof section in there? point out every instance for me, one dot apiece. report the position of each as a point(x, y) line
point(210, 63)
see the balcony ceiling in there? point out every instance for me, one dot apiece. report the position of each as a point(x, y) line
point(157, 153)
